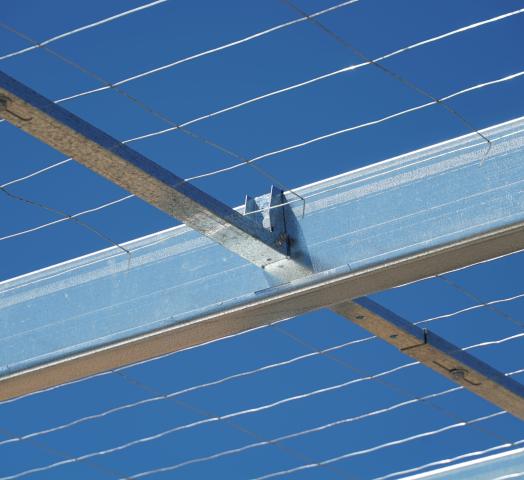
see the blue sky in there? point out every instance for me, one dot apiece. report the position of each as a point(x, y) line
point(177, 29)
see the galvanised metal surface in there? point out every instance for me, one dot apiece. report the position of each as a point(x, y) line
point(129, 169)
point(400, 220)
point(436, 353)
point(501, 466)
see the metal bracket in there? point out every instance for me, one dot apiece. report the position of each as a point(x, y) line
point(447, 364)
point(458, 374)
point(136, 173)
point(275, 220)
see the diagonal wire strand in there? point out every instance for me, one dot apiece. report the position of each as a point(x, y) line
point(253, 159)
point(290, 451)
point(395, 75)
point(293, 435)
point(337, 72)
point(171, 468)
point(485, 343)
point(202, 53)
point(208, 52)
point(224, 453)
point(307, 142)
point(99, 468)
point(155, 113)
point(490, 306)
point(290, 436)
point(381, 446)
point(65, 216)
point(210, 417)
point(289, 88)
point(273, 442)
point(248, 411)
point(385, 382)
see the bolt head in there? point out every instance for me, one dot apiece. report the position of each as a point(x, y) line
point(458, 373)
point(281, 240)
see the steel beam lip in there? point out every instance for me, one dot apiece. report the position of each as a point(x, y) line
point(290, 299)
point(179, 230)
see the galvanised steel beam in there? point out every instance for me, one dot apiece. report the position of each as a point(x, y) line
point(381, 220)
point(436, 353)
point(134, 172)
point(500, 466)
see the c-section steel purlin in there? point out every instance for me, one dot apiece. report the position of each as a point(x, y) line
point(423, 213)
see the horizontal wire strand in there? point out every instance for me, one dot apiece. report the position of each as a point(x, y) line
point(153, 112)
point(363, 125)
point(281, 438)
point(484, 344)
point(295, 434)
point(447, 461)
point(265, 442)
point(236, 414)
point(446, 412)
point(37, 172)
point(490, 306)
point(380, 447)
point(391, 170)
point(388, 71)
point(473, 307)
point(278, 27)
point(293, 452)
point(53, 451)
point(141, 362)
point(286, 89)
point(290, 451)
point(81, 29)
point(65, 216)
point(68, 217)
point(510, 475)
point(260, 444)
point(207, 420)
point(254, 159)
point(205, 52)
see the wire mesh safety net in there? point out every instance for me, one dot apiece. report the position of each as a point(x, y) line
point(211, 90)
